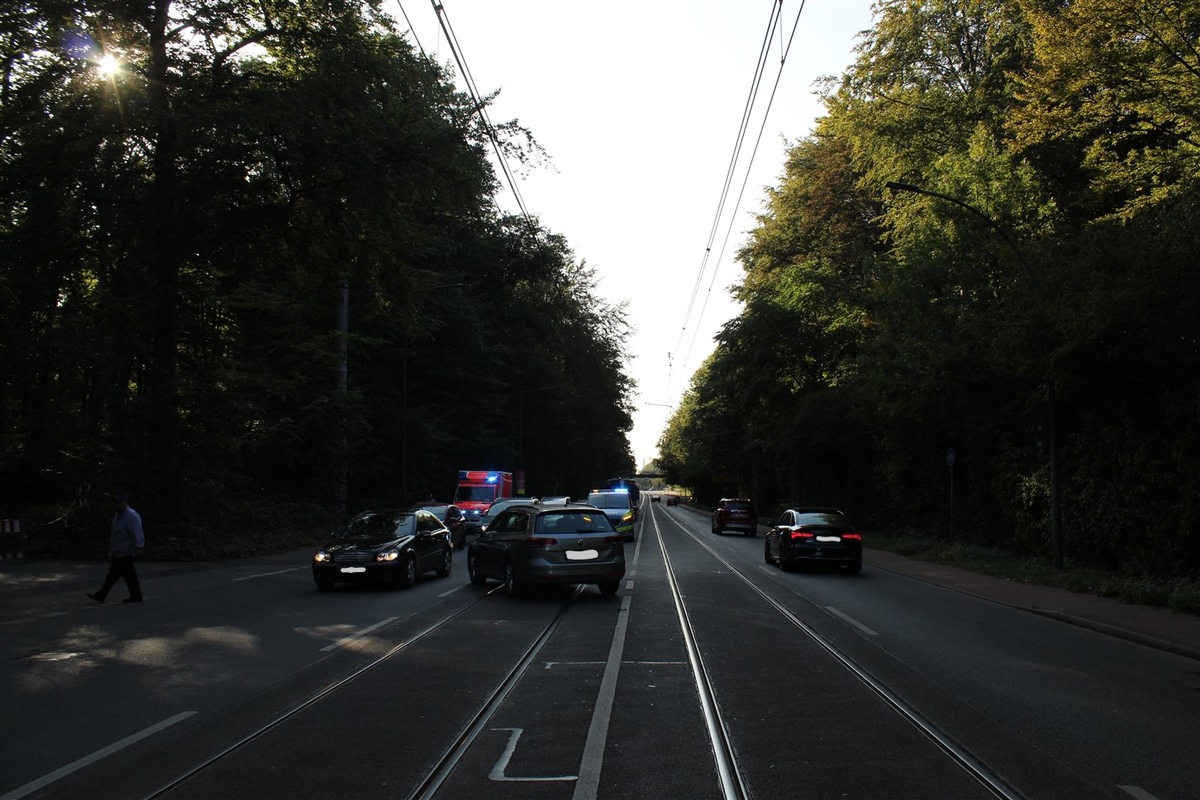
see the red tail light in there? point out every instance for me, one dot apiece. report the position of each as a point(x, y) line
point(802, 535)
point(857, 537)
point(540, 541)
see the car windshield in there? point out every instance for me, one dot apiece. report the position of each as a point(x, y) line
point(609, 500)
point(479, 494)
point(375, 524)
point(574, 522)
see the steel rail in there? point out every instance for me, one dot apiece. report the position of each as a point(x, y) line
point(470, 732)
point(948, 746)
point(488, 708)
point(733, 786)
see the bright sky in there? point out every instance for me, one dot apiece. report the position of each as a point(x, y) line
point(639, 104)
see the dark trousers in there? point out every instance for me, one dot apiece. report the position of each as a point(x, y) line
point(121, 567)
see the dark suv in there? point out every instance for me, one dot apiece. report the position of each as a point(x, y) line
point(735, 514)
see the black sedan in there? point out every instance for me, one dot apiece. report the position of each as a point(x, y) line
point(809, 536)
point(454, 520)
point(528, 545)
point(385, 546)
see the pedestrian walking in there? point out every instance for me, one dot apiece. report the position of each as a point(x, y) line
point(125, 541)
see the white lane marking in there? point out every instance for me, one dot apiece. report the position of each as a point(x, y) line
point(103, 752)
point(497, 773)
point(1136, 791)
point(265, 574)
point(593, 750)
point(353, 636)
point(458, 588)
point(852, 621)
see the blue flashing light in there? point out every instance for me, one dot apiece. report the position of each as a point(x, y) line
point(493, 478)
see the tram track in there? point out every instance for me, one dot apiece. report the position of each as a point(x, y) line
point(446, 763)
point(732, 784)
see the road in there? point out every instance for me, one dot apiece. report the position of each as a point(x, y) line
point(710, 674)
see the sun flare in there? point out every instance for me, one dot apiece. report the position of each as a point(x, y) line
point(109, 65)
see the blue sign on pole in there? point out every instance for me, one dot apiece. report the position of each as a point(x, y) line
point(950, 457)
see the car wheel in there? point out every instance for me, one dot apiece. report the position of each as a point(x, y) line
point(749, 533)
point(785, 563)
point(854, 568)
point(324, 584)
point(447, 563)
point(408, 573)
point(511, 587)
point(475, 577)
point(766, 552)
point(608, 588)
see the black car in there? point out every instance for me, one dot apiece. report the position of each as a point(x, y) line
point(528, 545)
point(813, 536)
point(672, 500)
point(453, 518)
point(389, 546)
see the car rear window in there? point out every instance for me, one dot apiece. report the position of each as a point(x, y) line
point(574, 522)
point(740, 506)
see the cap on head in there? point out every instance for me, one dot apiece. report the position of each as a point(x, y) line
point(120, 496)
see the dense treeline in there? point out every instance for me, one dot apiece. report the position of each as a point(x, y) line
point(1047, 274)
point(183, 237)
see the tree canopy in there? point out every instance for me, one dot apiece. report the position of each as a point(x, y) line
point(181, 234)
point(1043, 248)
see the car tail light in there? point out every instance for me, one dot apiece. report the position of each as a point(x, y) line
point(854, 536)
point(541, 541)
point(803, 534)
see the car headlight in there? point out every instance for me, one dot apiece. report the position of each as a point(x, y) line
point(389, 555)
point(322, 557)
point(629, 515)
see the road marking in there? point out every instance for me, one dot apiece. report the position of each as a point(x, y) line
point(593, 750)
point(265, 574)
point(1136, 791)
point(103, 752)
point(354, 636)
point(458, 588)
point(497, 773)
point(852, 621)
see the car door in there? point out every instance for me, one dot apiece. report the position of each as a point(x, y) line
point(490, 546)
point(778, 530)
point(428, 544)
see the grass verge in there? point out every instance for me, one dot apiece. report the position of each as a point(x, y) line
point(1178, 595)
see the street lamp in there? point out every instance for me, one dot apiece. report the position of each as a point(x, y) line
point(1051, 403)
point(404, 398)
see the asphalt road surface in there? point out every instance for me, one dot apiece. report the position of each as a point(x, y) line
point(710, 674)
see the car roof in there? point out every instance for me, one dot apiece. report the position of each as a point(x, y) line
point(815, 510)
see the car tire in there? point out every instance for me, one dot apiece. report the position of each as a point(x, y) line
point(475, 577)
point(511, 587)
point(608, 588)
point(408, 575)
point(749, 533)
point(447, 563)
point(854, 567)
point(785, 564)
point(767, 553)
point(324, 584)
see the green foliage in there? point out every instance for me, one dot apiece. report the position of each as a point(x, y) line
point(1046, 254)
point(176, 237)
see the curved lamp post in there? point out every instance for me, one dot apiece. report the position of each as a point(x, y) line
point(1051, 404)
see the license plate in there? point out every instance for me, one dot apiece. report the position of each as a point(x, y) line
point(582, 555)
point(353, 569)
point(829, 538)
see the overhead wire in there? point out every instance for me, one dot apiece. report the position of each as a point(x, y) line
point(481, 108)
point(773, 25)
